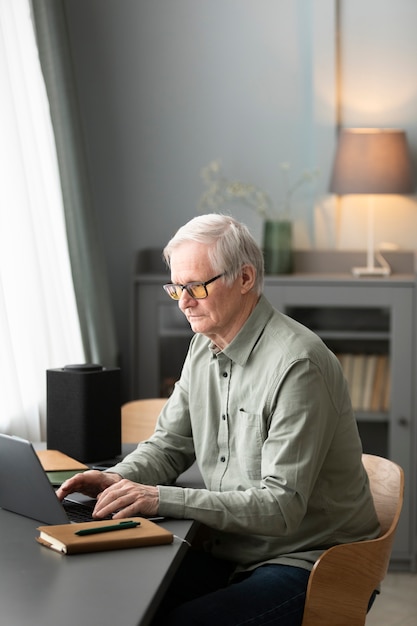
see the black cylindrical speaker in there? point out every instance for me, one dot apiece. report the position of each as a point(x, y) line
point(83, 411)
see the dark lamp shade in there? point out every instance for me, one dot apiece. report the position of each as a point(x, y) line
point(372, 161)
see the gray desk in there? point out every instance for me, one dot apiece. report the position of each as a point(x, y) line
point(124, 587)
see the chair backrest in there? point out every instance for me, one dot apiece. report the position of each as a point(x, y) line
point(345, 576)
point(139, 418)
point(387, 485)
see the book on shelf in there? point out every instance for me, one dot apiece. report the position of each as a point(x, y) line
point(368, 379)
point(381, 384)
point(357, 383)
point(386, 396)
point(64, 538)
point(368, 383)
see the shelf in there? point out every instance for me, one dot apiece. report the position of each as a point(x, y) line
point(372, 417)
point(355, 335)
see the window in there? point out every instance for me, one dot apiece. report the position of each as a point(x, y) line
point(39, 326)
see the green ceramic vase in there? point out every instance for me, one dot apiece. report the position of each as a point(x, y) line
point(277, 247)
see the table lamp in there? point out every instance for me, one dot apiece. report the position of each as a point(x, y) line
point(372, 161)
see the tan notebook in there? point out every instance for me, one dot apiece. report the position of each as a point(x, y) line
point(63, 537)
point(56, 461)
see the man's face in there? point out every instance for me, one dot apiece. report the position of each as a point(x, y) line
point(217, 315)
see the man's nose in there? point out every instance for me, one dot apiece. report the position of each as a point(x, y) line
point(185, 299)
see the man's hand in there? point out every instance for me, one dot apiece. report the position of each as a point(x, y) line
point(126, 498)
point(90, 483)
point(115, 495)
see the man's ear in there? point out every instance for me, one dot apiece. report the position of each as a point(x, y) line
point(248, 277)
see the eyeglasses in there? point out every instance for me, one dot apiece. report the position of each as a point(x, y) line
point(196, 290)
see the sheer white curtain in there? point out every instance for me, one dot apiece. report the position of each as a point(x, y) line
point(39, 326)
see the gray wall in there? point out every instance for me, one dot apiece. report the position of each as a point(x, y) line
point(165, 86)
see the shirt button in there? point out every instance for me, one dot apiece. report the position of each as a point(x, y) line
point(223, 417)
point(224, 374)
point(222, 459)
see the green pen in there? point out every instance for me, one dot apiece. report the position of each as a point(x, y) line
point(107, 529)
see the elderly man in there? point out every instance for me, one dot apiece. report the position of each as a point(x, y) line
point(263, 407)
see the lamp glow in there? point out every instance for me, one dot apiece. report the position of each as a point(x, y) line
point(372, 161)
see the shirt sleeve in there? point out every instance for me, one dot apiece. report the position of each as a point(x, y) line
point(168, 452)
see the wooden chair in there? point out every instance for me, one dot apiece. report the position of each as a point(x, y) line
point(139, 418)
point(345, 576)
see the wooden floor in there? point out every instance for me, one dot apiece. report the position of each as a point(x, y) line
point(397, 603)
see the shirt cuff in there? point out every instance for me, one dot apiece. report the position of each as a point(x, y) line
point(171, 501)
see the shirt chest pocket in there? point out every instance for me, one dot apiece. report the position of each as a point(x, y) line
point(246, 441)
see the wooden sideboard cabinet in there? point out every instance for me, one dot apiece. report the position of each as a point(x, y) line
point(365, 321)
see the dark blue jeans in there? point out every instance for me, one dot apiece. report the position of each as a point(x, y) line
point(202, 594)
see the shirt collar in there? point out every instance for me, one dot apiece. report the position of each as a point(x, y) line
point(241, 346)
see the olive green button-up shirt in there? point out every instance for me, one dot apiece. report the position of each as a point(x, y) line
point(270, 423)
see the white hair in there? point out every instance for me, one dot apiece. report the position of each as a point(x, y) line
point(231, 245)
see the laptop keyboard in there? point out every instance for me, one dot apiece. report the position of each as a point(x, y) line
point(80, 512)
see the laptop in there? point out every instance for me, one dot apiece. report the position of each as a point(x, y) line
point(25, 488)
